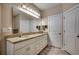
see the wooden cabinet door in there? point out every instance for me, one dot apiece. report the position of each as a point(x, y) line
point(55, 29)
point(69, 31)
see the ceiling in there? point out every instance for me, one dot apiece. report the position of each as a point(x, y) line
point(45, 6)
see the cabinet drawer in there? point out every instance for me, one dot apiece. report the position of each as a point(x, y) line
point(24, 51)
point(40, 45)
point(36, 47)
point(24, 43)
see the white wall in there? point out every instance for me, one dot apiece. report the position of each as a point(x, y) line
point(7, 19)
point(45, 21)
point(6, 23)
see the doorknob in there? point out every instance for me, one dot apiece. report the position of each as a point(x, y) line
point(78, 36)
point(59, 33)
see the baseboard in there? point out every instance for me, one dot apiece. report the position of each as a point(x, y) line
point(67, 52)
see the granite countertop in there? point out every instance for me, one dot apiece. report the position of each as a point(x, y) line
point(24, 37)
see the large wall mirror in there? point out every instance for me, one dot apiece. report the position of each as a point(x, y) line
point(24, 23)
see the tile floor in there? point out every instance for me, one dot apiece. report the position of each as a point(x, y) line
point(53, 51)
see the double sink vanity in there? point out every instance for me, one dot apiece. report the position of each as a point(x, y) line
point(31, 44)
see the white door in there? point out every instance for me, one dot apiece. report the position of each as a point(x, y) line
point(69, 31)
point(77, 30)
point(55, 29)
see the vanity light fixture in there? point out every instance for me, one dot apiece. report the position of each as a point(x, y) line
point(36, 13)
point(25, 11)
point(29, 11)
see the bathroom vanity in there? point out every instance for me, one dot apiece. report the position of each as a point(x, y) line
point(27, 44)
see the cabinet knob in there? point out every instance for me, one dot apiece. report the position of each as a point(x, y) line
point(59, 33)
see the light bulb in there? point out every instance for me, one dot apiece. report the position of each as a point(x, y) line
point(23, 6)
point(28, 9)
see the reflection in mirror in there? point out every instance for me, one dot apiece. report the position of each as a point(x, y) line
point(24, 23)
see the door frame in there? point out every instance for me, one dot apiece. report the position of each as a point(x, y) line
point(61, 15)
